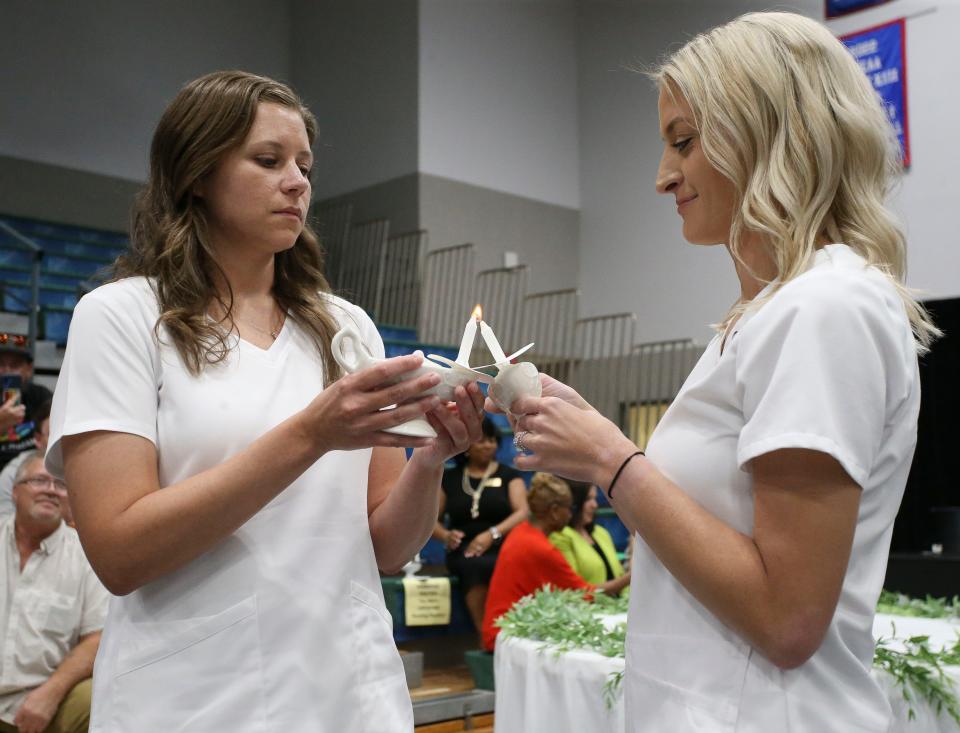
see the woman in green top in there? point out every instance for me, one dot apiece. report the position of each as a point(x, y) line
point(588, 547)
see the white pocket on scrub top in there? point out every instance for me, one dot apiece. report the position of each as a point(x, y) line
point(380, 683)
point(206, 670)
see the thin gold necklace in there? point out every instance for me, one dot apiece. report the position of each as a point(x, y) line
point(273, 333)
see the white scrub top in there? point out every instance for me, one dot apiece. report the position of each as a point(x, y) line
point(281, 627)
point(828, 363)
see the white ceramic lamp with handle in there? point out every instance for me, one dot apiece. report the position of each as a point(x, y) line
point(351, 353)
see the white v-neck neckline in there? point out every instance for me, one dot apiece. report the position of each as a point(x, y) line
point(273, 349)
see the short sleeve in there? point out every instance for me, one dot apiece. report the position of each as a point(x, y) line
point(371, 336)
point(349, 314)
point(818, 365)
point(109, 379)
point(95, 602)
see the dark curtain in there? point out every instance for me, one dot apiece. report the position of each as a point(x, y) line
point(934, 479)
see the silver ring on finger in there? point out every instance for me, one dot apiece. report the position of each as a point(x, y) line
point(518, 440)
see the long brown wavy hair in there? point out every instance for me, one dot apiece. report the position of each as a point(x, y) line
point(210, 117)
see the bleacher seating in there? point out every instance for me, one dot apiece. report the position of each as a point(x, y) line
point(73, 256)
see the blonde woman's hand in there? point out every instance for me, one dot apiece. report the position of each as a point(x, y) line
point(350, 414)
point(555, 388)
point(551, 388)
point(571, 441)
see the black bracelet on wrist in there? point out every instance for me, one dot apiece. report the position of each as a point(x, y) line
point(620, 470)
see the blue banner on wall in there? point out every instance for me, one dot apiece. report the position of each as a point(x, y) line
point(881, 53)
point(842, 7)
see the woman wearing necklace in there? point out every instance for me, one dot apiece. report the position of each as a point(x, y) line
point(484, 500)
point(205, 370)
point(587, 546)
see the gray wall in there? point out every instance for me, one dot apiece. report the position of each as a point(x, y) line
point(52, 193)
point(85, 82)
point(512, 124)
point(498, 96)
point(544, 235)
point(397, 200)
point(492, 107)
point(632, 255)
point(355, 63)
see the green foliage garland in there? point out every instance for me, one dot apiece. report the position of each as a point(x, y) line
point(565, 620)
point(897, 604)
point(919, 670)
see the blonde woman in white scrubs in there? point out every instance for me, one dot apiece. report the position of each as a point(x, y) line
point(235, 498)
point(765, 503)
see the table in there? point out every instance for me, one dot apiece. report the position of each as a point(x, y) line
point(542, 691)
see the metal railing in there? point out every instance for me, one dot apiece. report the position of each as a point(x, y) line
point(633, 387)
point(501, 291)
point(549, 320)
point(446, 296)
point(400, 293)
point(34, 304)
point(362, 265)
point(602, 369)
point(661, 368)
point(401, 284)
point(333, 227)
point(631, 384)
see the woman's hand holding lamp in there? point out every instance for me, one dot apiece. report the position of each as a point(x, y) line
point(353, 355)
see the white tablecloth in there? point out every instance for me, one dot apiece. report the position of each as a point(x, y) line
point(542, 691)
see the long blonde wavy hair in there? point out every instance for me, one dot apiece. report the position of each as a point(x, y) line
point(787, 115)
point(210, 117)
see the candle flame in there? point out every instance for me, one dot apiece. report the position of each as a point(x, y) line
point(477, 313)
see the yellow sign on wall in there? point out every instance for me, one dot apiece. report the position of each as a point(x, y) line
point(426, 601)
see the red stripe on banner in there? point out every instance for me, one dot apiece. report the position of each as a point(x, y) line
point(906, 103)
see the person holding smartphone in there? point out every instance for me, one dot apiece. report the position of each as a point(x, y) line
point(20, 397)
point(231, 488)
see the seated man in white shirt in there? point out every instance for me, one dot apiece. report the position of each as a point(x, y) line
point(52, 608)
point(9, 473)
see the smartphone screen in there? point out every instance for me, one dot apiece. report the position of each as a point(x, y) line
point(11, 385)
